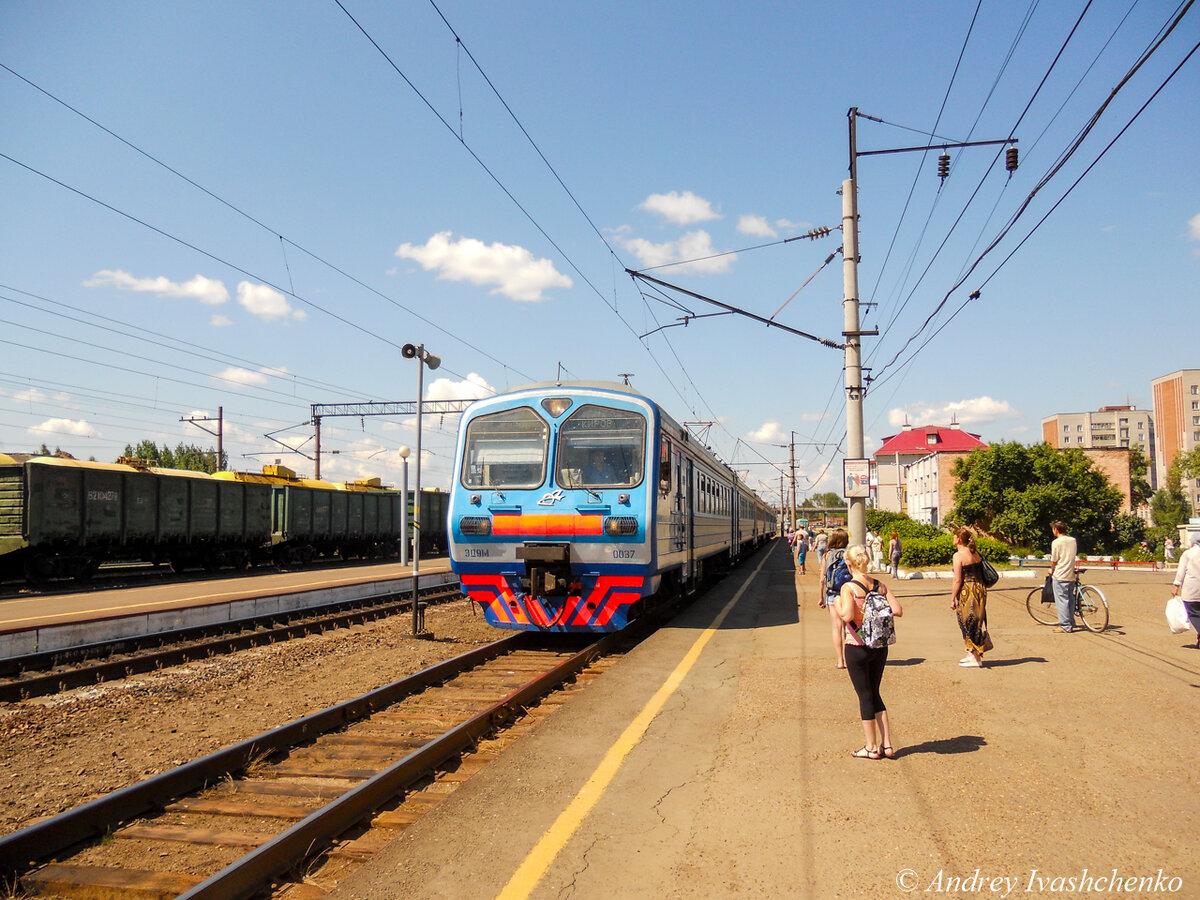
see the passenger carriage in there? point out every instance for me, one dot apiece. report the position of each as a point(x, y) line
point(575, 505)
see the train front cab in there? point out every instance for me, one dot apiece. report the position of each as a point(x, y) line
point(551, 510)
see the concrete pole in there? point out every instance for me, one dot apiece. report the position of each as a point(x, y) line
point(857, 512)
point(792, 465)
point(220, 438)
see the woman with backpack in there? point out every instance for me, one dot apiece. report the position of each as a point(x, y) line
point(833, 576)
point(865, 608)
point(968, 599)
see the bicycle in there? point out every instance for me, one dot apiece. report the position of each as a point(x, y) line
point(1089, 604)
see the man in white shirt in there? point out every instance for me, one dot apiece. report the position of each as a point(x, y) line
point(1187, 584)
point(1063, 550)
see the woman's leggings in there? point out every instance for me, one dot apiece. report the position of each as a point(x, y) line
point(865, 665)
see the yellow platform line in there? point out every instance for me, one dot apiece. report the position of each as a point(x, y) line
point(534, 867)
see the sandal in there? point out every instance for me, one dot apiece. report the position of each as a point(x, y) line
point(865, 752)
point(888, 751)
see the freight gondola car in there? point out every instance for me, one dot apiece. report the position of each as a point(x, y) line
point(575, 506)
point(63, 518)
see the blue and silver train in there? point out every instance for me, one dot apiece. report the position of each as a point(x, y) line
point(575, 505)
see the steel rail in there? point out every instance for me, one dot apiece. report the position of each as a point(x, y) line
point(22, 849)
point(255, 872)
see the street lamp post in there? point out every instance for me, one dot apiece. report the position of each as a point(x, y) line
point(424, 358)
point(404, 451)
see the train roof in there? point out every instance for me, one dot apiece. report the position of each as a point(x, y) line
point(596, 385)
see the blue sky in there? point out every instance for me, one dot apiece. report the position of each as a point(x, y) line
point(329, 204)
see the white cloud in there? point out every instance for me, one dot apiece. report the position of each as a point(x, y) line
point(1194, 227)
point(695, 245)
point(78, 427)
point(245, 377)
point(767, 433)
point(206, 290)
point(512, 269)
point(812, 417)
point(757, 226)
point(29, 395)
point(267, 303)
point(682, 209)
point(976, 411)
point(473, 387)
point(219, 321)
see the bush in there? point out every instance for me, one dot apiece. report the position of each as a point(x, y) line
point(992, 550)
point(1135, 554)
point(884, 523)
point(935, 551)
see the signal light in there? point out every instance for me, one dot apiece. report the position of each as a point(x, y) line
point(475, 525)
point(1010, 159)
point(943, 165)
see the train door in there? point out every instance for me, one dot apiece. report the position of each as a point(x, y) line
point(689, 511)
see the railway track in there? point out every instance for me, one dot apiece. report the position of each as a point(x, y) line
point(297, 808)
point(39, 674)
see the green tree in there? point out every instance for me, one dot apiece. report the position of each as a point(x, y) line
point(1140, 491)
point(184, 456)
point(823, 501)
point(1015, 491)
point(1168, 508)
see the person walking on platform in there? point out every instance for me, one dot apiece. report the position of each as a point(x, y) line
point(968, 598)
point(895, 551)
point(1187, 584)
point(1063, 550)
point(822, 540)
point(829, 591)
point(866, 664)
point(800, 547)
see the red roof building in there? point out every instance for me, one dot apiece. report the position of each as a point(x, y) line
point(900, 451)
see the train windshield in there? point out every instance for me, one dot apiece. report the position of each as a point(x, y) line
point(601, 447)
point(506, 450)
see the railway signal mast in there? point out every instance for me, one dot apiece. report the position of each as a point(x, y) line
point(856, 516)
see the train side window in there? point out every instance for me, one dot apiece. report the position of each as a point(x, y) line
point(664, 466)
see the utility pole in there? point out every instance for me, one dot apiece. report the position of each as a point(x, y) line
point(792, 466)
point(219, 433)
point(856, 513)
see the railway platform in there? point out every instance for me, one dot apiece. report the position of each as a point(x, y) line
point(714, 761)
point(42, 622)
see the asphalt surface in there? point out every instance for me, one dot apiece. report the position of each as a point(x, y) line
point(714, 761)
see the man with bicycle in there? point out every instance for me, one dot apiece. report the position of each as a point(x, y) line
point(1063, 551)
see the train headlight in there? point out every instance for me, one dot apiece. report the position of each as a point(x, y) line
point(556, 406)
point(616, 526)
point(475, 525)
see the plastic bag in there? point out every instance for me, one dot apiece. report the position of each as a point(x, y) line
point(1177, 617)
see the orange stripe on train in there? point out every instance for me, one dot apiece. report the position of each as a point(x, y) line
point(547, 524)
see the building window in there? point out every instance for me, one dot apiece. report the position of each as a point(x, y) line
point(1067, 439)
point(1196, 404)
point(1194, 389)
point(1079, 428)
point(1068, 427)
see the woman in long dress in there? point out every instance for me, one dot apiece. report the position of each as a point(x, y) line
point(969, 599)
